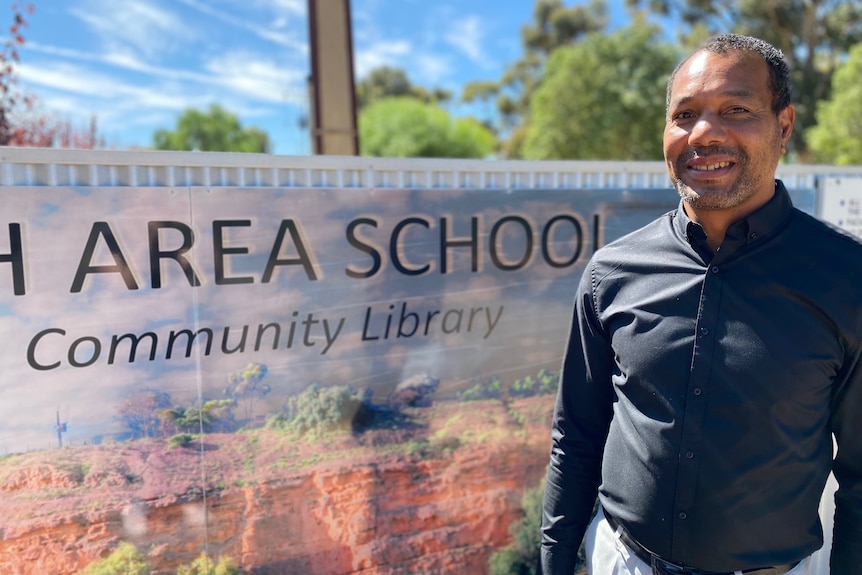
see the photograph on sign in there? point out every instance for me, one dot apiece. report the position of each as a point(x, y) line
point(280, 375)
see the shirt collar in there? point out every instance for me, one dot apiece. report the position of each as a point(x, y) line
point(753, 228)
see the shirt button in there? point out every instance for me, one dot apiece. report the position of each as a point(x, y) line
point(715, 269)
point(683, 515)
point(689, 454)
point(704, 331)
point(697, 391)
point(753, 236)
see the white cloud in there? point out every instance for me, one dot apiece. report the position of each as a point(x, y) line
point(252, 76)
point(78, 94)
point(132, 64)
point(286, 39)
point(379, 54)
point(133, 25)
point(124, 61)
point(295, 6)
point(366, 22)
point(432, 68)
point(466, 35)
point(70, 78)
point(240, 69)
point(282, 7)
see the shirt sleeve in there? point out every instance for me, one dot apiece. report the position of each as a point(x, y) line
point(579, 429)
point(847, 468)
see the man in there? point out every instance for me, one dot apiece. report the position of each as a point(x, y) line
point(713, 355)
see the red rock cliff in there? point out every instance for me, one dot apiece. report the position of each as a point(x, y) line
point(438, 500)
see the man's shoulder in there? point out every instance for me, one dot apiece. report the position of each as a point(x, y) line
point(825, 239)
point(654, 235)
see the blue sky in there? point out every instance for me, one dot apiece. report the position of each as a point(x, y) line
point(137, 64)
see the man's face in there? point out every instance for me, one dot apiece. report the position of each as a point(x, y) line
point(722, 140)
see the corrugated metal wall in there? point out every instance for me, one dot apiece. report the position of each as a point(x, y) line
point(49, 167)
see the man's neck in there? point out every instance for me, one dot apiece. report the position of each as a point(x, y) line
point(716, 222)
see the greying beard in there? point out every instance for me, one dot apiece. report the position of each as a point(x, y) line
point(719, 200)
point(716, 199)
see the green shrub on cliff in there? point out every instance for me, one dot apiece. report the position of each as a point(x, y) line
point(522, 556)
point(319, 410)
point(489, 389)
point(545, 383)
point(125, 560)
point(203, 565)
point(181, 440)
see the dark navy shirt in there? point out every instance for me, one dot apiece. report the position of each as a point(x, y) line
point(700, 393)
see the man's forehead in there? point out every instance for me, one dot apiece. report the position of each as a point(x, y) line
point(697, 63)
point(735, 71)
point(703, 60)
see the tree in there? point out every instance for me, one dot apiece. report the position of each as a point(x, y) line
point(140, 412)
point(522, 556)
point(837, 137)
point(198, 419)
point(22, 122)
point(10, 98)
point(387, 82)
point(602, 98)
point(203, 565)
point(815, 37)
point(318, 411)
point(125, 560)
point(215, 130)
point(554, 25)
point(408, 128)
point(36, 129)
point(245, 387)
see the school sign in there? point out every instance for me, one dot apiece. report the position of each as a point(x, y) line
point(171, 273)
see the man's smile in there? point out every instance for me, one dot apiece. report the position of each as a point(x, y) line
point(710, 167)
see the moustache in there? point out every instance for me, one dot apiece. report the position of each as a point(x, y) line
point(705, 152)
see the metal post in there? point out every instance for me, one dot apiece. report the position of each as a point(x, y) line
point(333, 97)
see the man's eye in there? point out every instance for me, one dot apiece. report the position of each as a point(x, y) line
point(738, 110)
point(683, 116)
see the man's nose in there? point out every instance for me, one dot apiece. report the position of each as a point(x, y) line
point(708, 130)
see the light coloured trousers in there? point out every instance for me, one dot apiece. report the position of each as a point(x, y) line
point(607, 555)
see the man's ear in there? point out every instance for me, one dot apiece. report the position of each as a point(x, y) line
point(786, 119)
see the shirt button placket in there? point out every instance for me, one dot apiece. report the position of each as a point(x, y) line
point(695, 408)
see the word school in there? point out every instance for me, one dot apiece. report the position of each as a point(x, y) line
point(558, 242)
point(49, 348)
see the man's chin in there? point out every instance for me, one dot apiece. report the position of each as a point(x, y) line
point(703, 198)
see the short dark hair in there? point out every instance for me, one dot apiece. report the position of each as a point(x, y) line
point(779, 71)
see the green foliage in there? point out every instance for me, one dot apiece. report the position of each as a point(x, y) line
point(522, 556)
point(489, 389)
point(837, 137)
point(213, 415)
point(814, 36)
point(387, 82)
point(603, 98)
point(125, 560)
point(181, 440)
point(245, 387)
point(507, 561)
point(319, 410)
point(278, 422)
point(408, 128)
point(139, 413)
point(203, 565)
point(545, 383)
point(554, 25)
point(215, 130)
